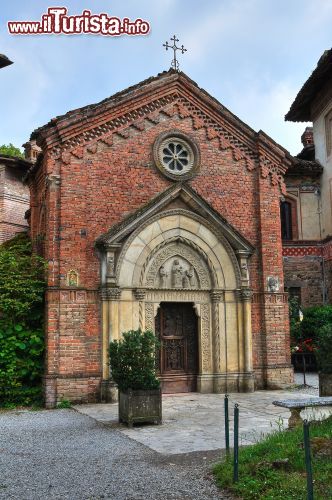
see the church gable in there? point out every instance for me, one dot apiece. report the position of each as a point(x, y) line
point(169, 96)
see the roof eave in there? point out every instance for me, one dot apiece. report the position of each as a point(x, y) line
point(300, 110)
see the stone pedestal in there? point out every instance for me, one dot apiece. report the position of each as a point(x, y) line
point(325, 384)
point(108, 392)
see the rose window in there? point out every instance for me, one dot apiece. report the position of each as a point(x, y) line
point(176, 155)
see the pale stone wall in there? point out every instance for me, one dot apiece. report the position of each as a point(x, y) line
point(307, 207)
point(326, 161)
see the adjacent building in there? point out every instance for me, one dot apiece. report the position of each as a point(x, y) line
point(14, 196)
point(307, 209)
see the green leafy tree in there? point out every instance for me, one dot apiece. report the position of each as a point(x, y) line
point(324, 348)
point(22, 286)
point(21, 280)
point(11, 150)
point(313, 319)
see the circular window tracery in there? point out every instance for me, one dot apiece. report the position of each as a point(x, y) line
point(176, 155)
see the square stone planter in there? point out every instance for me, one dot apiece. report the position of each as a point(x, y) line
point(140, 406)
point(325, 384)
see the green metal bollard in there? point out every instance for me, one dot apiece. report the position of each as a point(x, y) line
point(226, 423)
point(236, 444)
point(310, 488)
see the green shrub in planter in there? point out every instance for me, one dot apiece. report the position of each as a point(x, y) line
point(132, 361)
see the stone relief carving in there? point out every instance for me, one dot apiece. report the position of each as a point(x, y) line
point(149, 316)
point(216, 335)
point(244, 270)
point(205, 328)
point(178, 276)
point(273, 284)
point(110, 265)
point(177, 266)
point(198, 296)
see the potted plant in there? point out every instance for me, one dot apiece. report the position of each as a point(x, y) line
point(324, 359)
point(132, 362)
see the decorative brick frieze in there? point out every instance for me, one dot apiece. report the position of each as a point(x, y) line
point(270, 298)
point(301, 251)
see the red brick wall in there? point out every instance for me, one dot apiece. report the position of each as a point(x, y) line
point(96, 187)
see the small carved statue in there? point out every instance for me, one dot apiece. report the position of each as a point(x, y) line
point(244, 269)
point(185, 280)
point(273, 284)
point(162, 277)
point(110, 266)
point(191, 276)
point(177, 274)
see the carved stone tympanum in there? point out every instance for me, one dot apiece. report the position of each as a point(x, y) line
point(177, 274)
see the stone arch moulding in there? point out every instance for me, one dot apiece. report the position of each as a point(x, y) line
point(181, 255)
point(191, 234)
point(200, 223)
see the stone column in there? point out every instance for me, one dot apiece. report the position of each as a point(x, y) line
point(218, 343)
point(139, 294)
point(110, 311)
point(248, 378)
point(216, 297)
point(246, 300)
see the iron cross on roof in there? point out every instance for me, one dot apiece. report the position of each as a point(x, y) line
point(175, 62)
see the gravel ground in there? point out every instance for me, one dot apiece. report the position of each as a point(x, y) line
point(312, 384)
point(62, 454)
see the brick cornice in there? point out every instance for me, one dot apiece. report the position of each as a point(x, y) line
point(67, 136)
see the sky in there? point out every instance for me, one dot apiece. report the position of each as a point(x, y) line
point(251, 55)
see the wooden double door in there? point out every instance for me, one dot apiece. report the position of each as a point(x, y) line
point(177, 357)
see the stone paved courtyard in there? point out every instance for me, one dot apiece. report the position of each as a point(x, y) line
point(194, 422)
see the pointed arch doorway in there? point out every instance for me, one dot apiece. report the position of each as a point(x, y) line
point(176, 327)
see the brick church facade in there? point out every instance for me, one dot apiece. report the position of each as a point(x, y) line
point(158, 208)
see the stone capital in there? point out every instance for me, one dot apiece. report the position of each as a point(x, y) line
point(217, 295)
point(246, 294)
point(108, 293)
point(139, 294)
